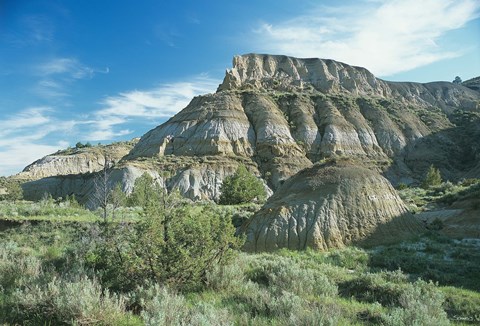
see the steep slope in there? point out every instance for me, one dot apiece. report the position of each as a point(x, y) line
point(279, 115)
point(473, 83)
point(330, 205)
point(284, 114)
point(75, 161)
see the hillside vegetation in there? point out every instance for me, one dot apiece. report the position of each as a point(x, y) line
point(56, 269)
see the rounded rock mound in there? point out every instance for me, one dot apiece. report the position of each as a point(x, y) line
point(331, 205)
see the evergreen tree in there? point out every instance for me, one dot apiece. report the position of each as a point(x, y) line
point(143, 188)
point(433, 178)
point(13, 190)
point(241, 187)
point(174, 243)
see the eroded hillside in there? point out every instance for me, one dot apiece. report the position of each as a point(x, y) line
point(279, 115)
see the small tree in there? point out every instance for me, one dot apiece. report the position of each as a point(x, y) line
point(433, 178)
point(172, 244)
point(143, 188)
point(241, 187)
point(101, 192)
point(457, 80)
point(118, 198)
point(13, 190)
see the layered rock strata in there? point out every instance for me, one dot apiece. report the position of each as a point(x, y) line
point(330, 205)
point(279, 115)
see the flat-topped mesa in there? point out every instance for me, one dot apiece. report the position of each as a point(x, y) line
point(283, 73)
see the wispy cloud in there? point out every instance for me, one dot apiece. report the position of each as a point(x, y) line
point(70, 67)
point(32, 30)
point(167, 33)
point(35, 132)
point(157, 103)
point(386, 37)
point(22, 137)
point(57, 74)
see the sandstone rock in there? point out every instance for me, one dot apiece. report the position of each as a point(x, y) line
point(82, 185)
point(279, 115)
point(330, 205)
point(282, 73)
point(74, 161)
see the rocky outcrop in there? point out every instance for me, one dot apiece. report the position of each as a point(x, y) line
point(279, 115)
point(473, 83)
point(83, 185)
point(250, 126)
point(75, 161)
point(283, 73)
point(330, 205)
point(195, 177)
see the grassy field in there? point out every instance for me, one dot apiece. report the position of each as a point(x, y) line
point(46, 278)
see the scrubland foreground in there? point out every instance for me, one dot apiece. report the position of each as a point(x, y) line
point(181, 264)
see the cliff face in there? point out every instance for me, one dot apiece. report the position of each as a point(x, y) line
point(278, 115)
point(282, 73)
point(283, 114)
point(75, 161)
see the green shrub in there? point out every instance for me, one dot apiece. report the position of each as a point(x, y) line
point(82, 301)
point(163, 307)
point(282, 274)
point(241, 187)
point(402, 186)
point(462, 304)
point(225, 277)
point(174, 244)
point(383, 287)
point(433, 178)
point(421, 304)
point(350, 257)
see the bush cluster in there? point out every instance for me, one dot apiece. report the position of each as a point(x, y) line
point(241, 187)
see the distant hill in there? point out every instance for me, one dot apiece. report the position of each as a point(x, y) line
point(473, 83)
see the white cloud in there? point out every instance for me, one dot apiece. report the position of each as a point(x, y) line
point(22, 137)
point(30, 117)
point(27, 135)
point(69, 66)
point(57, 74)
point(15, 158)
point(48, 88)
point(157, 103)
point(384, 36)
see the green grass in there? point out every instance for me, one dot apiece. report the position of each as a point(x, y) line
point(49, 210)
point(42, 269)
point(433, 257)
point(447, 193)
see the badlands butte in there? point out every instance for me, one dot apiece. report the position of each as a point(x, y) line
point(329, 140)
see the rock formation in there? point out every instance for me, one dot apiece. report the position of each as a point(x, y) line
point(283, 114)
point(75, 161)
point(330, 205)
point(279, 116)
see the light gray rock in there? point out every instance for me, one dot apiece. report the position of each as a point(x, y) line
point(282, 73)
point(279, 115)
point(75, 161)
point(329, 206)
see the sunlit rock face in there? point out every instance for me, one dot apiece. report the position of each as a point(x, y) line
point(279, 115)
point(330, 205)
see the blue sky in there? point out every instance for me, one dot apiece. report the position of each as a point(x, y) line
point(102, 71)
